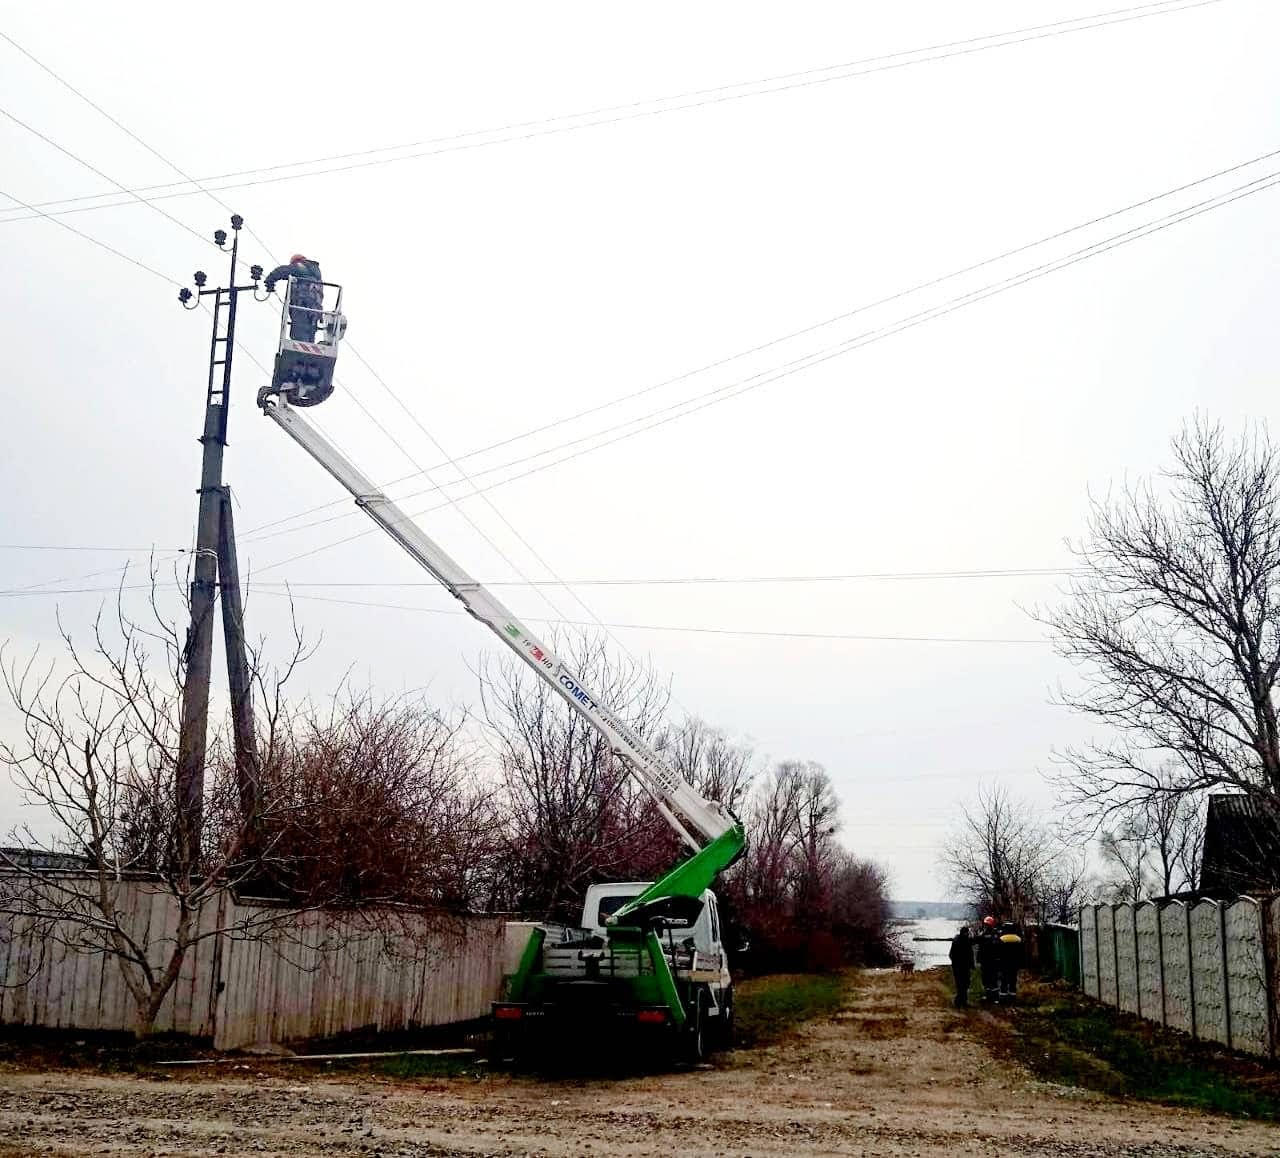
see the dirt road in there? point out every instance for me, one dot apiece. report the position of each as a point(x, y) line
point(894, 1073)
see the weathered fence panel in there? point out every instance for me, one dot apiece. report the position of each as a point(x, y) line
point(1175, 943)
point(1126, 959)
point(1208, 976)
point(319, 974)
point(1150, 984)
point(1089, 951)
point(1247, 1005)
point(1107, 991)
point(53, 976)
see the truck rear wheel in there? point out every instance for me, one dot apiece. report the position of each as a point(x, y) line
point(724, 1031)
point(695, 1046)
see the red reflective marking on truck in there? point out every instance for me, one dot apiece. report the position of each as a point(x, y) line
point(652, 1016)
point(508, 1012)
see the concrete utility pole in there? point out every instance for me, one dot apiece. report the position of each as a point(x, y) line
point(215, 560)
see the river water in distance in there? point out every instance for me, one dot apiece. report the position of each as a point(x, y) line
point(926, 954)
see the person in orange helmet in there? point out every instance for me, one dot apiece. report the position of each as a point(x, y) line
point(989, 959)
point(307, 299)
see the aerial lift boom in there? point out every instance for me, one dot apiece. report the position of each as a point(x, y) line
point(715, 837)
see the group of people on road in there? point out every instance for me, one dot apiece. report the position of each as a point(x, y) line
point(997, 953)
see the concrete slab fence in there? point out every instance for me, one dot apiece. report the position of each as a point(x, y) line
point(1208, 968)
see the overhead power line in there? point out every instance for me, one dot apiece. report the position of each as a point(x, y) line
point(671, 581)
point(643, 418)
point(587, 623)
point(708, 580)
point(378, 377)
point(746, 632)
point(61, 547)
point(111, 249)
point(846, 315)
point(203, 238)
point(990, 290)
point(614, 114)
point(733, 390)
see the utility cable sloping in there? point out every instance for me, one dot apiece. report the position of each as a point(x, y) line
point(755, 381)
point(656, 106)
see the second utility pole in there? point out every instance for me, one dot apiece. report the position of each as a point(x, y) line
point(215, 571)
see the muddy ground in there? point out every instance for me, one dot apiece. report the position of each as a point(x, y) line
point(893, 1073)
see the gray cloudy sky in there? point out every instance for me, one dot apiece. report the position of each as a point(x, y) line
point(532, 274)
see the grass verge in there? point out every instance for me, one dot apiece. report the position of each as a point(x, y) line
point(1065, 1037)
point(768, 1008)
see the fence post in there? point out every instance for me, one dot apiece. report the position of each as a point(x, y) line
point(1226, 973)
point(1137, 960)
point(1272, 977)
point(1115, 953)
point(1191, 971)
point(1164, 1001)
point(215, 967)
point(1097, 954)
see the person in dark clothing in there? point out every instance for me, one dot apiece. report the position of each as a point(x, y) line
point(1010, 957)
point(307, 299)
point(962, 965)
point(989, 959)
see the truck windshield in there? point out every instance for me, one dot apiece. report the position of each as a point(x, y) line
point(611, 904)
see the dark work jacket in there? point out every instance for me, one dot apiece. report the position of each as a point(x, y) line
point(304, 293)
point(962, 953)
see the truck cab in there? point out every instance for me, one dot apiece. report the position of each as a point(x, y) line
point(669, 980)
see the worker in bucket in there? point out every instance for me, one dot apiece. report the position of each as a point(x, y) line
point(989, 959)
point(962, 965)
point(307, 298)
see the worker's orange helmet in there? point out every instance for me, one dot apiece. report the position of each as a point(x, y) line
point(988, 920)
point(297, 257)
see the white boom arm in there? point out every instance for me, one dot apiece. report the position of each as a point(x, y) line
point(673, 795)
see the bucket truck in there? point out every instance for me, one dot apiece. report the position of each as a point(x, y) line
point(648, 955)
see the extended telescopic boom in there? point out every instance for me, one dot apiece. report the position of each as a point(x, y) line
point(719, 836)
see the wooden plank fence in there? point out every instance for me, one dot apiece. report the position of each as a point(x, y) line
point(1208, 968)
point(321, 974)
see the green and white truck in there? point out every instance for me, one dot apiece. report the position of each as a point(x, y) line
point(648, 953)
point(666, 985)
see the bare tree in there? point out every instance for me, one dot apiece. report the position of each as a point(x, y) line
point(374, 802)
point(860, 910)
point(1190, 844)
point(719, 768)
point(1000, 856)
point(1174, 823)
point(1126, 851)
point(574, 813)
point(1175, 628)
point(98, 756)
point(1062, 886)
point(360, 803)
point(805, 901)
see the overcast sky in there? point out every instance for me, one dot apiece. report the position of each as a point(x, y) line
point(507, 280)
